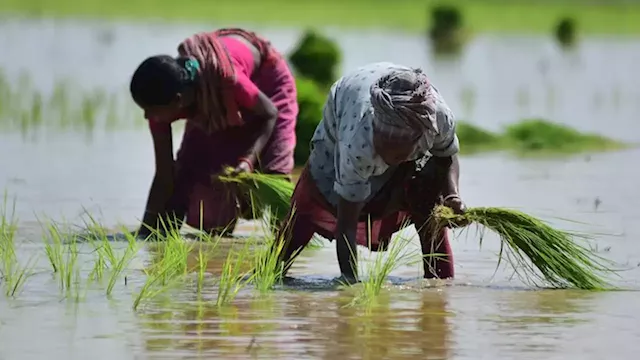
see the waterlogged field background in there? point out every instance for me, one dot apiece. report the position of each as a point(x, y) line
point(72, 143)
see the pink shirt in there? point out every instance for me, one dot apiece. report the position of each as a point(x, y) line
point(245, 91)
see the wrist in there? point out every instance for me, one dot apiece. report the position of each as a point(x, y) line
point(451, 197)
point(451, 189)
point(247, 160)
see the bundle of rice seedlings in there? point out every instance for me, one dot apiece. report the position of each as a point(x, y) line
point(265, 190)
point(559, 259)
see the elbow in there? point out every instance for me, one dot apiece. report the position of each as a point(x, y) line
point(270, 111)
point(272, 118)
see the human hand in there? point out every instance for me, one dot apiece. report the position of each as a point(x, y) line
point(455, 203)
point(244, 166)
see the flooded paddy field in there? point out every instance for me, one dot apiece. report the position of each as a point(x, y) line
point(59, 169)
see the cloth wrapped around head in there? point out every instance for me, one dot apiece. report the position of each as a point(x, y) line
point(404, 106)
point(216, 106)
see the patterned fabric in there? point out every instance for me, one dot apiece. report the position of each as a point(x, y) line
point(404, 106)
point(343, 161)
point(217, 108)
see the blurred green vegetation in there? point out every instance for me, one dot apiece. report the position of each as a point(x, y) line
point(612, 17)
point(533, 138)
point(34, 114)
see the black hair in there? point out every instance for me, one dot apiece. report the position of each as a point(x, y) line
point(158, 79)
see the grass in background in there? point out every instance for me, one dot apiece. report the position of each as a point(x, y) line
point(21, 107)
point(533, 137)
point(474, 139)
point(610, 17)
point(540, 137)
point(25, 109)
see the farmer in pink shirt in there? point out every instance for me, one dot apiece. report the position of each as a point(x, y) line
point(238, 96)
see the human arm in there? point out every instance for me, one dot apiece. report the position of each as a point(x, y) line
point(353, 187)
point(257, 103)
point(346, 228)
point(163, 180)
point(445, 151)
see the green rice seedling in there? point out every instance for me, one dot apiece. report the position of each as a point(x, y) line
point(268, 268)
point(173, 253)
point(265, 190)
point(159, 280)
point(69, 272)
point(97, 272)
point(89, 109)
point(123, 262)
point(53, 248)
point(398, 254)
point(268, 265)
point(12, 274)
point(209, 242)
point(63, 257)
point(531, 244)
point(203, 260)
point(106, 256)
point(233, 279)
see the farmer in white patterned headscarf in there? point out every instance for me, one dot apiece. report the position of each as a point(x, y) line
point(384, 152)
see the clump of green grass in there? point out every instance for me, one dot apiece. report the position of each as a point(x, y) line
point(106, 257)
point(268, 267)
point(233, 278)
point(532, 137)
point(269, 264)
point(474, 139)
point(541, 137)
point(159, 280)
point(530, 244)
point(62, 252)
point(12, 274)
point(118, 265)
point(203, 260)
point(398, 254)
point(171, 265)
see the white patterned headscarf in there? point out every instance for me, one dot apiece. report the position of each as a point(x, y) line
point(404, 106)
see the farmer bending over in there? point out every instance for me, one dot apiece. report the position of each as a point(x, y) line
point(239, 98)
point(371, 167)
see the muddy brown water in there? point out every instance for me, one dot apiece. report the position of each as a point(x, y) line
point(480, 315)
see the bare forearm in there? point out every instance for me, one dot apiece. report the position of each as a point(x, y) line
point(346, 229)
point(450, 168)
point(159, 194)
point(454, 175)
point(262, 139)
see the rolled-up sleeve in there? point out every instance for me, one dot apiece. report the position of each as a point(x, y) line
point(446, 142)
point(353, 172)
